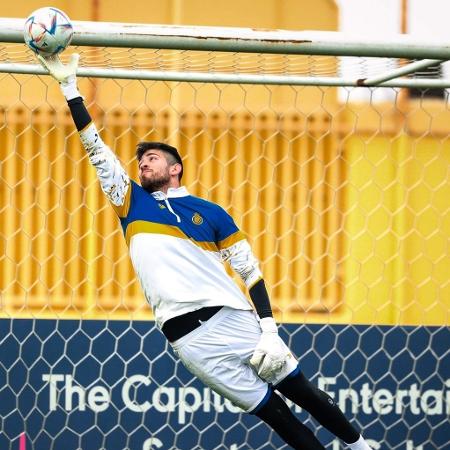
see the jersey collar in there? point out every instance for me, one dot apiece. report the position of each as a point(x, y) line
point(171, 193)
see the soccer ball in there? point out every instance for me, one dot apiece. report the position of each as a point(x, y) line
point(47, 31)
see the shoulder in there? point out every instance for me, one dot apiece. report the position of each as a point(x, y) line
point(135, 185)
point(139, 191)
point(226, 230)
point(211, 209)
point(138, 196)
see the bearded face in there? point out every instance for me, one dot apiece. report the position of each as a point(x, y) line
point(153, 181)
point(154, 171)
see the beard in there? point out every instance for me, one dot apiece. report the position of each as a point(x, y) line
point(155, 183)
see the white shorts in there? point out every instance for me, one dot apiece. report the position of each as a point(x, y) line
point(219, 352)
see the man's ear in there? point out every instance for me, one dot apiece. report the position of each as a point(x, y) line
point(175, 169)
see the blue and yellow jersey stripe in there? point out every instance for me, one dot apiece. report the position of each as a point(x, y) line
point(204, 223)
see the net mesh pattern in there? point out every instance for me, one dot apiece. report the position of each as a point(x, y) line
point(225, 62)
point(345, 203)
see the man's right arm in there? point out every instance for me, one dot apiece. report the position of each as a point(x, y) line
point(114, 181)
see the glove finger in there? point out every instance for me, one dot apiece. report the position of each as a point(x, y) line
point(43, 62)
point(266, 368)
point(279, 360)
point(266, 374)
point(73, 64)
point(256, 358)
point(54, 66)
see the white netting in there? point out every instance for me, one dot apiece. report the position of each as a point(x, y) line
point(347, 206)
point(314, 66)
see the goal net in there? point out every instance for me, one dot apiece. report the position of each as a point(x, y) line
point(333, 157)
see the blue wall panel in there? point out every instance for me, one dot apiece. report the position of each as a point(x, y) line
point(116, 385)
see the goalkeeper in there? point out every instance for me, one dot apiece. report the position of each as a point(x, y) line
point(177, 245)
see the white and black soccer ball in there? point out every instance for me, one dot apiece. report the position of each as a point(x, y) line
point(48, 31)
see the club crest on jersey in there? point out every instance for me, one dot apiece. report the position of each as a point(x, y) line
point(197, 219)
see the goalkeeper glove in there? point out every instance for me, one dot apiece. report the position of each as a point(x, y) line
point(270, 354)
point(66, 75)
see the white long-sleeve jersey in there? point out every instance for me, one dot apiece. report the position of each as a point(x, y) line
point(178, 243)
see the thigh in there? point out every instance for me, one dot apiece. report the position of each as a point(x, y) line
point(219, 353)
point(242, 330)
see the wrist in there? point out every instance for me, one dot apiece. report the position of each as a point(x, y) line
point(268, 325)
point(69, 88)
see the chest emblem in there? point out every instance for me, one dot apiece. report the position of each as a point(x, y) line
point(161, 206)
point(197, 219)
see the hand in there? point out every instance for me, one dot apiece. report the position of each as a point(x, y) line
point(66, 75)
point(270, 353)
point(59, 71)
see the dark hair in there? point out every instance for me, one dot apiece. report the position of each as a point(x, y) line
point(142, 147)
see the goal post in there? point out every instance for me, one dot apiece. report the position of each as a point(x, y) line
point(240, 41)
point(346, 203)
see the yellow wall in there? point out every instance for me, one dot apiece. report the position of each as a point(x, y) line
point(351, 227)
point(347, 206)
point(264, 14)
point(398, 266)
point(281, 14)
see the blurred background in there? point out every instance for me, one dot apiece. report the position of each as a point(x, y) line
point(343, 192)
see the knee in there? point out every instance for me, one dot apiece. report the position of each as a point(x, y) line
point(299, 389)
point(297, 383)
point(275, 410)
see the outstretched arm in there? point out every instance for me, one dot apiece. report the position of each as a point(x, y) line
point(114, 180)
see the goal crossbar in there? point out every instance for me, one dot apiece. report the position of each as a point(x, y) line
point(111, 34)
point(199, 77)
point(245, 40)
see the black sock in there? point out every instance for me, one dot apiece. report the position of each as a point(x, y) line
point(278, 415)
point(320, 405)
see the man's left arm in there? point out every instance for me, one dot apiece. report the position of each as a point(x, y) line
point(242, 260)
point(269, 355)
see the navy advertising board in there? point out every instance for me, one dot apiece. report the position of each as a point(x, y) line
point(116, 385)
